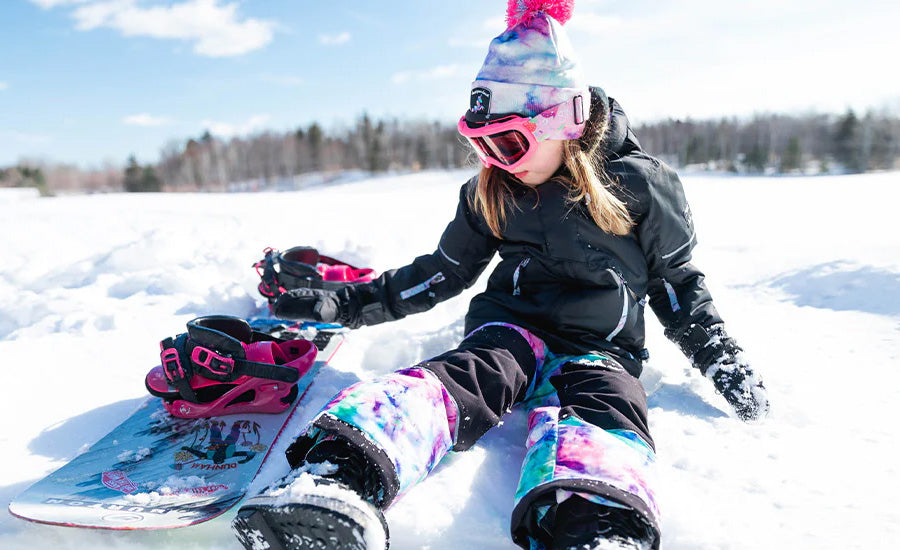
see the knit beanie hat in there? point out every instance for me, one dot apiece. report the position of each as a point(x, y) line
point(531, 67)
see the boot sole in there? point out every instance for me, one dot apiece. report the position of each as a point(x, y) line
point(319, 523)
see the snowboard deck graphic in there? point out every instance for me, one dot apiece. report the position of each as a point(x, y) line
point(156, 471)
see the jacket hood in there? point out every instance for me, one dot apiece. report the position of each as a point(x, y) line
point(620, 139)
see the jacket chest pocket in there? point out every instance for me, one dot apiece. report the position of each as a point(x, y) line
point(509, 277)
point(596, 247)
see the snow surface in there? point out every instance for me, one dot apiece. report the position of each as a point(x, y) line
point(805, 271)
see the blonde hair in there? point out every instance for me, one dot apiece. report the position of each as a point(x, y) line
point(587, 181)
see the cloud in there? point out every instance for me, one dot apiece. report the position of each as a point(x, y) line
point(228, 129)
point(3, 86)
point(145, 119)
point(441, 71)
point(334, 39)
point(213, 26)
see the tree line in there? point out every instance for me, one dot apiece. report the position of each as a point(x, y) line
point(269, 158)
point(770, 143)
point(773, 143)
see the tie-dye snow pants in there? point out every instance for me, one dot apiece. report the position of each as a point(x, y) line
point(587, 423)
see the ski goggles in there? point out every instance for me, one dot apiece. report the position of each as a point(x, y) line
point(510, 141)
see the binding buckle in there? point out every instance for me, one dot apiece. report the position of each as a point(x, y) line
point(216, 364)
point(171, 362)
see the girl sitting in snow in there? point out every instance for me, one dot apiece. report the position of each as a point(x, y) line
point(589, 228)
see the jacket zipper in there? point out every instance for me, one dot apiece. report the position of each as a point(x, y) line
point(516, 290)
point(422, 287)
point(622, 280)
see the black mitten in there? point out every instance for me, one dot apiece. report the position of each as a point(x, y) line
point(719, 358)
point(323, 306)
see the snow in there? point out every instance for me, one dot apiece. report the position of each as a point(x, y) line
point(11, 194)
point(805, 272)
point(173, 489)
point(134, 456)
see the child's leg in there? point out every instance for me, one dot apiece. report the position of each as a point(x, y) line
point(593, 450)
point(405, 422)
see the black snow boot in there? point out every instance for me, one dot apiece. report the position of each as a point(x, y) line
point(579, 524)
point(328, 503)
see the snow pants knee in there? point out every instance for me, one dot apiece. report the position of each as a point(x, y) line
point(587, 426)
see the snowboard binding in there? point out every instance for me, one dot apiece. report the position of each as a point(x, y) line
point(304, 267)
point(221, 366)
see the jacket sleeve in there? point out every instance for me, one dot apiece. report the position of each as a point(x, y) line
point(676, 289)
point(463, 252)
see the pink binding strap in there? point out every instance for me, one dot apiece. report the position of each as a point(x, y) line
point(169, 357)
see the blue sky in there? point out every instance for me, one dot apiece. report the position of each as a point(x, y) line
point(85, 81)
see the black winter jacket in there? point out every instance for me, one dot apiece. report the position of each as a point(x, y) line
point(560, 276)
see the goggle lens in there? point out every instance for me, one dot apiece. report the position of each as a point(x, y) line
point(506, 147)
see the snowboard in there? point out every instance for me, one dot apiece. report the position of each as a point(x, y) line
point(156, 471)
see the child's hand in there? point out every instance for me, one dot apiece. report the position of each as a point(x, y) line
point(720, 359)
point(323, 306)
point(741, 386)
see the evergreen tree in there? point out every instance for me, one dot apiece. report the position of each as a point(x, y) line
point(379, 162)
point(315, 137)
point(150, 183)
point(369, 146)
point(422, 154)
point(133, 176)
point(757, 158)
point(32, 177)
point(693, 151)
point(791, 157)
point(848, 142)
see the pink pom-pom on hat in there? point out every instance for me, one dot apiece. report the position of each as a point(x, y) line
point(519, 11)
point(530, 68)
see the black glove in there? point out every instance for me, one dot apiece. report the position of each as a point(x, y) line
point(720, 359)
point(323, 306)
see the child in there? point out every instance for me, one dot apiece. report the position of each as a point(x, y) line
point(588, 227)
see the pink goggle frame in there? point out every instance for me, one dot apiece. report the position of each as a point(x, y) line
point(510, 141)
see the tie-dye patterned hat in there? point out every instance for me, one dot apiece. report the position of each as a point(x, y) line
point(530, 68)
